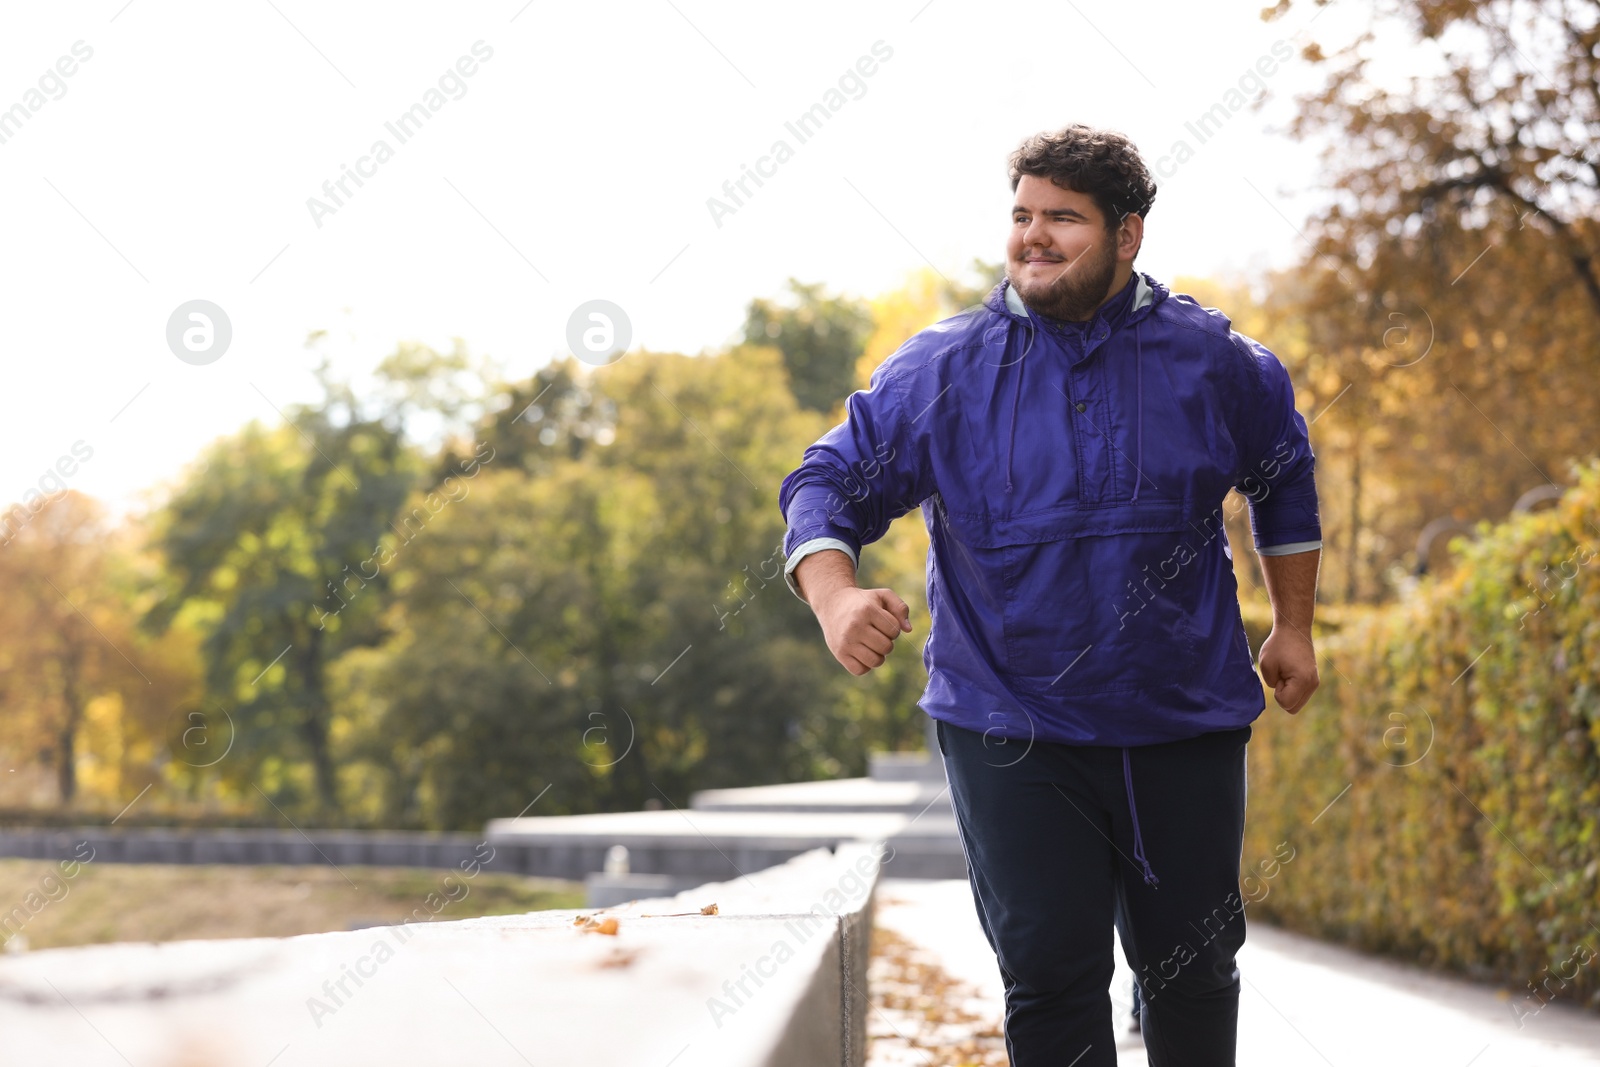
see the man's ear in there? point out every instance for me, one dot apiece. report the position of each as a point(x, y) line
point(1130, 235)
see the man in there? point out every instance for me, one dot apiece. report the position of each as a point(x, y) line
point(1070, 443)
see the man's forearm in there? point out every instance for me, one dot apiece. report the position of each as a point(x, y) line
point(1291, 586)
point(821, 573)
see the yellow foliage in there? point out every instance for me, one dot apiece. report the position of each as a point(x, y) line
point(1443, 778)
point(100, 762)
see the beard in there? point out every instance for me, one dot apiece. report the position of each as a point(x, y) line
point(1077, 291)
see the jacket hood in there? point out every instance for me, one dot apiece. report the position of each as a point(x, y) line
point(1004, 300)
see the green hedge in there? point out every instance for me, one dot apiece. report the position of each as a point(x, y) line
point(1442, 789)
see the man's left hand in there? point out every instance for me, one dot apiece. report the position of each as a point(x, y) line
point(1289, 664)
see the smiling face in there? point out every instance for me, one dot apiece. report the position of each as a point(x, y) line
point(1060, 256)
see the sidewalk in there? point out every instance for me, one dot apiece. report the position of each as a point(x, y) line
point(1304, 1002)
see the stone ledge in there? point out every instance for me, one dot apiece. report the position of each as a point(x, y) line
point(836, 796)
point(908, 766)
point(776, 979)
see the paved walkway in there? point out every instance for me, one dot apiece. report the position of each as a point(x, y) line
point(1304, 1002)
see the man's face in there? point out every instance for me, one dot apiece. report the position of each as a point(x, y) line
point(1059, 256)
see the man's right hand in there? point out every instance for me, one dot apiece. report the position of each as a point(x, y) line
point(860, 626)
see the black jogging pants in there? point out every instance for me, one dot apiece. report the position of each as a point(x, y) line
point(1064, 840)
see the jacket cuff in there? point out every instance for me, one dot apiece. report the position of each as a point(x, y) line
point(1289, 549)
point(1287, 513)
point(816, 544)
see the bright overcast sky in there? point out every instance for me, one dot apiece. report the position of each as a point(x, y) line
point(574, 163)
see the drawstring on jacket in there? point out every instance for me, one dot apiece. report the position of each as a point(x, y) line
point(1138, 841)
point(1011, 445)
point(1138, 416)
point(1138, 476)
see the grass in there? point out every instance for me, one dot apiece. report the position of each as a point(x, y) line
point(170, 902)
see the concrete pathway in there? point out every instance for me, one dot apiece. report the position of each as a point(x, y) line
point(1304, 1002)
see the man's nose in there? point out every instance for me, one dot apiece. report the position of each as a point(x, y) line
point(1035, 236)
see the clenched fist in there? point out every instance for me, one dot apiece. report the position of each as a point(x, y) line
point(1288, 663)
point(860, 626)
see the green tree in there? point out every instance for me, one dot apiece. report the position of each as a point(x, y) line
point(607, 617)
point(530, 426)
point(820, 336)
point(274, 546)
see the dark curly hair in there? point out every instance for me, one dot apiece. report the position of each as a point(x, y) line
point(1101, 164)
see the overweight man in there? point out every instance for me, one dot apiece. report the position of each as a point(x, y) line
point(1070, 442)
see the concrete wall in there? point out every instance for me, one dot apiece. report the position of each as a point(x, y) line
point(776, 979)
point(715, 844)
point(341, 847)
point(702, 847)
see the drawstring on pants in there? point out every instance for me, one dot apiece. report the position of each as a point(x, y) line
point(1138, 841)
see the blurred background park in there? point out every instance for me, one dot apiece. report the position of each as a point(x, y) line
point(399, 559)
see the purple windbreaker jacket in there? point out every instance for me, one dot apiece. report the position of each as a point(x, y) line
point(1071, 477)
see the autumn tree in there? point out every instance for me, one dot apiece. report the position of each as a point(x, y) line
point(1505, 134)
point(1450, 294)
point(69, 645)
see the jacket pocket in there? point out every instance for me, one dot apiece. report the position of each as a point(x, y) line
point(1085, 607)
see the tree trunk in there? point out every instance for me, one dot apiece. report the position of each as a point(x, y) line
point(629, 784)
point(66, 768)
point(1352, 564)
point(314, 728)
point(67, 737)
